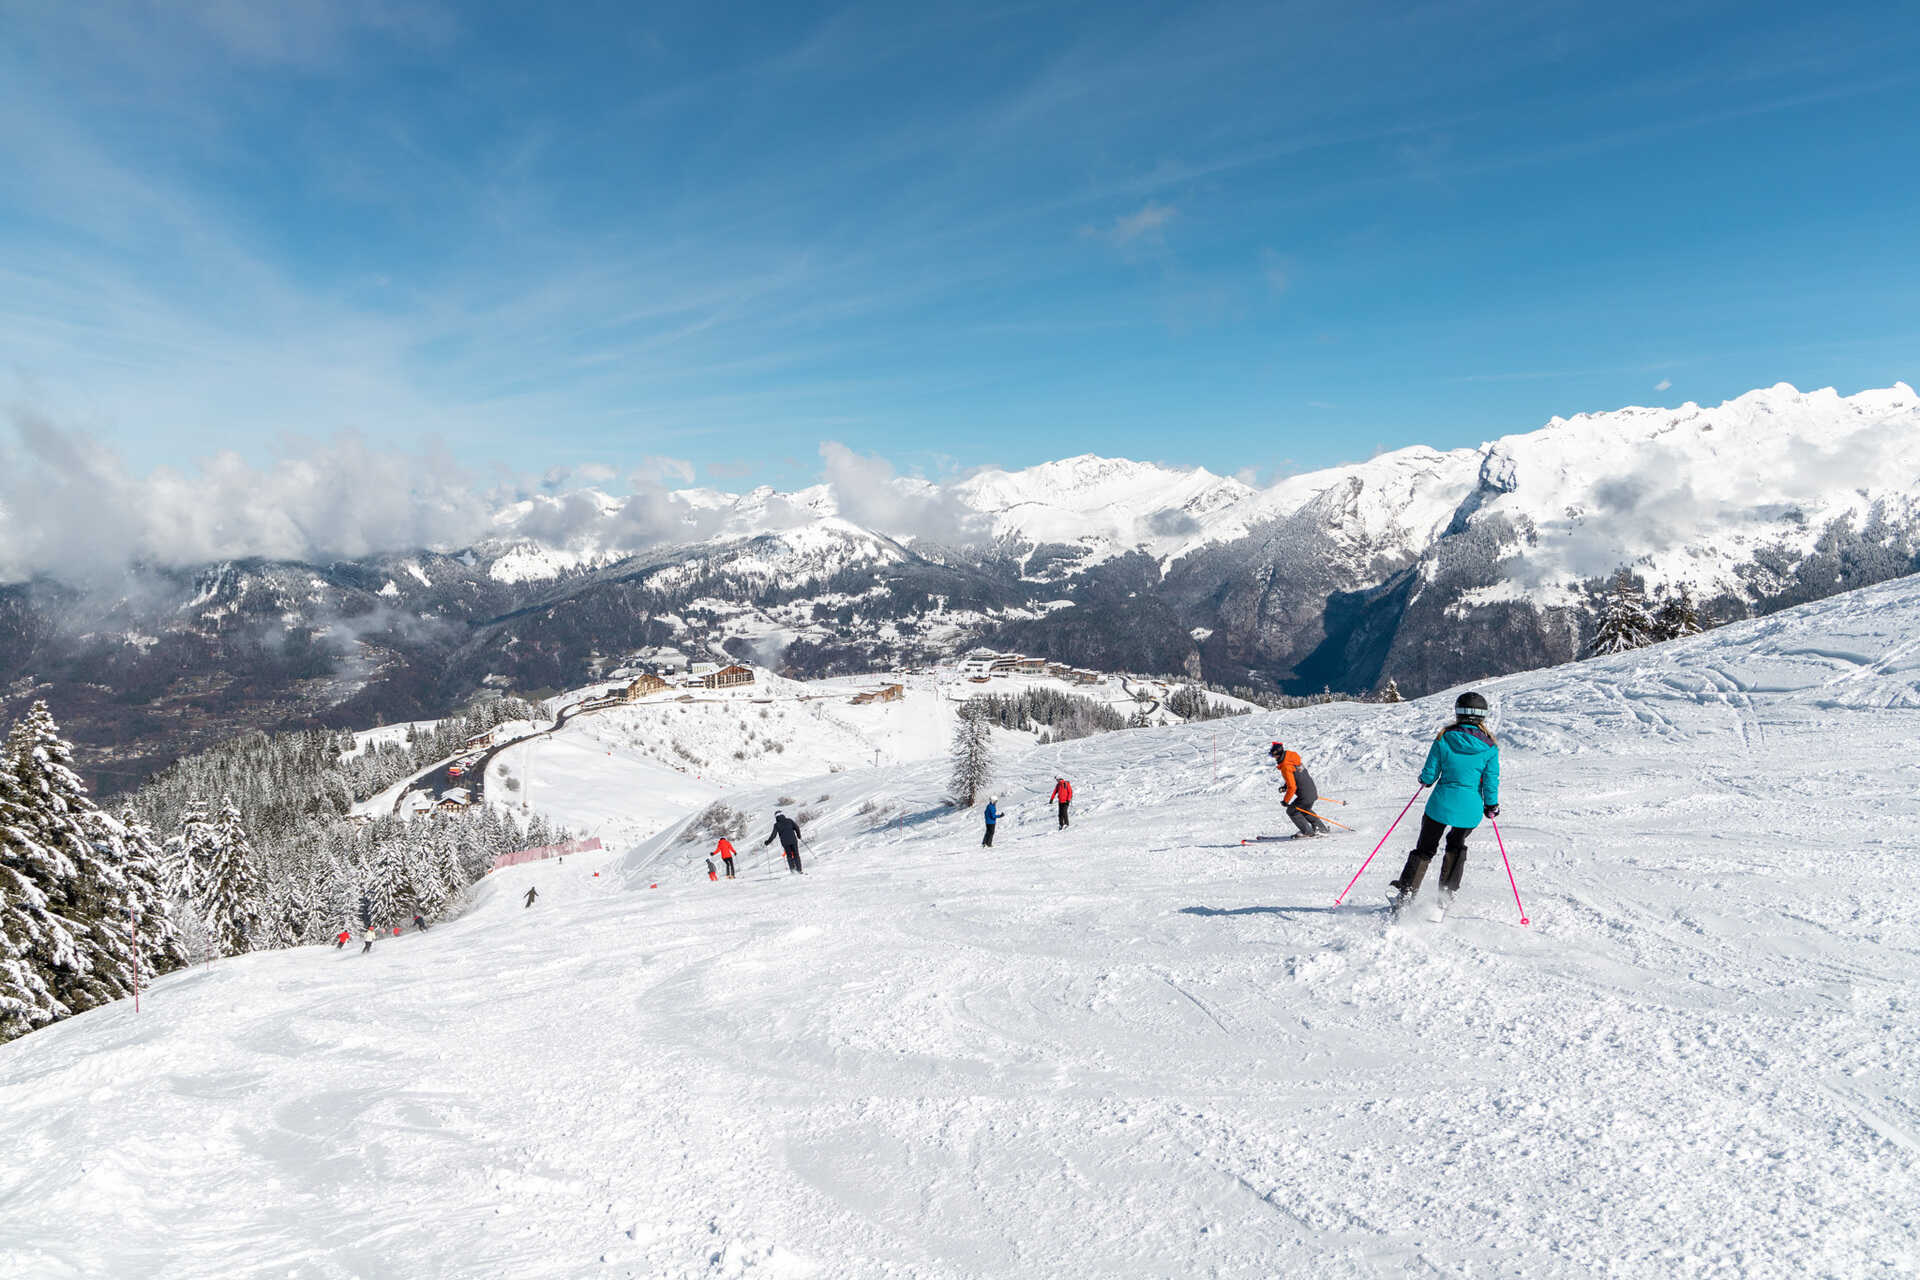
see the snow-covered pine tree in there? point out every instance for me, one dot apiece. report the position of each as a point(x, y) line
point(162, 949)
point(90, 896)
point(972, 755)
point(387, 884)
point(189, 851)
point(233, 896)
point(426, 871)
point(35, 944)
point(1390, 692)
point(1624, 623)
point(1677, 617)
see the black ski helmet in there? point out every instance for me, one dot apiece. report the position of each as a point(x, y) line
point(1470, 706)
point(1277, 749)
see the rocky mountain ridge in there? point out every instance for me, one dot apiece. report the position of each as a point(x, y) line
point(1428, 566)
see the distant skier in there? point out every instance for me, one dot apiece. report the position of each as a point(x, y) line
point(1463, 768)
point(341, 941)
point(993, 816)
point(532, 893)
point(367, 934)
point(712, 872)
point(419, 922)
point(725, 850)
point(787, 831)
point(1301, 795)
point(1063, 794)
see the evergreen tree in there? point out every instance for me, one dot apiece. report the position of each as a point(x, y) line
point(386, 884)
point(1390, 692)
point(1677, 617)
point(161, 947)
point(972, 755)
point(90, 894)
point(1624, 623)
point(189, 852)
point(233, 898)
point(35, 945)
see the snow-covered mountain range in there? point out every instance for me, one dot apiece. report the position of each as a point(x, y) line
point(1421, 565)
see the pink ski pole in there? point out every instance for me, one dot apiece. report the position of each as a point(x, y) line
point(1503, 858)
point(1376, 849)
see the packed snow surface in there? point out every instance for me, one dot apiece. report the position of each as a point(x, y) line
point(1133, 1047)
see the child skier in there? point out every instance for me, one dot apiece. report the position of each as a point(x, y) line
point(1063, 793)
point(1463, 768)
point(1300, 793)
point(993, 816)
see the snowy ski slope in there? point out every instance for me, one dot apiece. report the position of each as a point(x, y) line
point(1136, 1047)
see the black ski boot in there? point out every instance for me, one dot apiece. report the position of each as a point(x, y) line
point(1409, 882)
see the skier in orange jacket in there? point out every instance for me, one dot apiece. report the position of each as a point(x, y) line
point(725, 850)
point(1063, 793)
point(1300, 793)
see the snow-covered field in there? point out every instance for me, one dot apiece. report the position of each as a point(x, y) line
point(1136, 1047)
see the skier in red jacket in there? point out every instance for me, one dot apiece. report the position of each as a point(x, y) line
point(725, 850)
point(341, 941)
point(1062, 792)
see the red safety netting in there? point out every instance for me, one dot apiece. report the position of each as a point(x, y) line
point(546, 851)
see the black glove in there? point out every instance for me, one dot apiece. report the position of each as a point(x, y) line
point(1493, 811)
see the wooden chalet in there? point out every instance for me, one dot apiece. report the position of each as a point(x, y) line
point(645, 684)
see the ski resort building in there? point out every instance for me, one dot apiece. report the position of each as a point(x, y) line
point(730, 677)
point(645, 684)
point(891, 693)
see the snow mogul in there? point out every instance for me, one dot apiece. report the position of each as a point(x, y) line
point(1463, 768)
point(1298, 792)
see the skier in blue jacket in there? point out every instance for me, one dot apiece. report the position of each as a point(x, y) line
point(1463, 768)
point(993, 816)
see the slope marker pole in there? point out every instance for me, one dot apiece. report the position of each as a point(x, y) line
point(1376, 849)
point(1503, 858)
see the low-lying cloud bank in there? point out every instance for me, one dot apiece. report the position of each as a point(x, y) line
point(70, 507)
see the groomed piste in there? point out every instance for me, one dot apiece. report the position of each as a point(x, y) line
point(1134, 1047)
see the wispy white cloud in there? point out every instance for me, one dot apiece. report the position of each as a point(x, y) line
point(1146, 225)
point(1663, 385)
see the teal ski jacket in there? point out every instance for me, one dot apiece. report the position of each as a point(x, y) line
point(1463, 768)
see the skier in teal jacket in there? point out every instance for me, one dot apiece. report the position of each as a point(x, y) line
point(1463, 768)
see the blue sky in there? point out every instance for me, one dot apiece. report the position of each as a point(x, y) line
point(1265, 237)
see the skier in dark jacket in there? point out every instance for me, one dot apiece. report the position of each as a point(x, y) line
point(993, 816)
point(1063, 794)
point(1463, 768)
point(532, 893)
point(787, 831)
point(1298, 792)
point(419, 922)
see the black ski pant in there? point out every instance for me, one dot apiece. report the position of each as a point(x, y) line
point(988, 842)
point(793, 860)
point(1301, 811)
point(729, 865)
point(1451, 870)
point(367, 948)
point(1063, 811)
